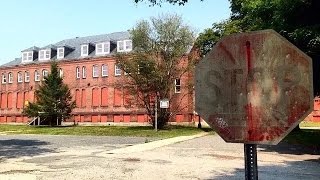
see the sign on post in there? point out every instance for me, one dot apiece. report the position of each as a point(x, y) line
point(164, 103)
point(254, 87)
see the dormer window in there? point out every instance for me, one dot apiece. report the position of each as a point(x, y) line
point(60, 54)
point(124, 46)
point(84, 50)
point(27, 56)
point(44, 54)
point(103, 48)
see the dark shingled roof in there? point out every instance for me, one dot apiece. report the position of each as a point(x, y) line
point(75, 44)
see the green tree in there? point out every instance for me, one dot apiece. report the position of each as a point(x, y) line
point(155, 63)
point(53, 99)
point(297, 20)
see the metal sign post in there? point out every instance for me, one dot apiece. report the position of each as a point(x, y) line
point(250, 158)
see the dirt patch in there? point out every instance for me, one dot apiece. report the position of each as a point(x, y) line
point(18, 171)
point(223, 156)
point(131, 160)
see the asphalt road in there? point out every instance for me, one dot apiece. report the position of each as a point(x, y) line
point(15, 146)
point(206, 158)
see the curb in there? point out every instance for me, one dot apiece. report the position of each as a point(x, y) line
point(154, 144)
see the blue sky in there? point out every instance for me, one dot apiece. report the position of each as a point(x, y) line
point(26, 23)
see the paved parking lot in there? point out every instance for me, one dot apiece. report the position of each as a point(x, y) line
point(208, 157)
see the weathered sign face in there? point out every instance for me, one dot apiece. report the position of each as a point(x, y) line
point(254, 87)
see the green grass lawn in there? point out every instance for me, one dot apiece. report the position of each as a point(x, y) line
point(137, 131)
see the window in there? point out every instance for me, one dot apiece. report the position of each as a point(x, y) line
point(26, 76)
point(60, 73)
point(36, 76)
point(120, 46)
point(117, 70)
point(104, 70)
point(84, 72)
point(78, 72)
point(95, 71)
point(20, 79)
point(177, 86)
point(10, 77)
point(125, 45)
point(44, 73)
point(27, 56)
point(60, 53)
point(44, 54)
point(103, 48)
point(4, 78)
point(84, 50)
point(128, 46)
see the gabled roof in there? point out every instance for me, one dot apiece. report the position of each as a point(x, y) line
point(50, 46)
point(33, 48)
point(75, 44)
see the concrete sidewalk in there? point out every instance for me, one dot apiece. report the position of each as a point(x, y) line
point(153, 145)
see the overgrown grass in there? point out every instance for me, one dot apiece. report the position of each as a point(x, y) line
point(309, 124)
point(136, 131)
point(307, 137)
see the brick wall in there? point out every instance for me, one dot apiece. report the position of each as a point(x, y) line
point(98, 99)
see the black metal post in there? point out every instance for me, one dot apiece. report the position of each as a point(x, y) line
point(250, 158)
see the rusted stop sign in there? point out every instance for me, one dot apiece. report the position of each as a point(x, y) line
point(254, 87)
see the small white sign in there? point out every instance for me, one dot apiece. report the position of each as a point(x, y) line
point(164, 103)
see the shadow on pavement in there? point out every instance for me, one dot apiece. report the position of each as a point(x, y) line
point(14, 148)
point(285, 148)
point(296, 170)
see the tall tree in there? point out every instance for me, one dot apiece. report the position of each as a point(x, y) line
point(297, 20)
point(159, 58)
point(53, 99)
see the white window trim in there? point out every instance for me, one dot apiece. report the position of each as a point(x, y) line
point(104, 70)
point(78, 72)
point(115, 70)
point(175, 86)
point(26, 76)
point(125, 49)
point(45, 73)
point(10, 77)
point(45, 54)
point(27, 55)
point(20, 77)
point(61, 73)
point(103, 52)
point(125, 45)
point(3, 78)
point(87, 47)
point(84, 72)
point(58, 54)
point(118, 46)
point(36, 75)
point(95, 71)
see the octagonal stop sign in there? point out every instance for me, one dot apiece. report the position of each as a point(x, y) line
point(254, 87)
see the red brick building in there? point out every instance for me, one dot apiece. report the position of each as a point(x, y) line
point(89, 68)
